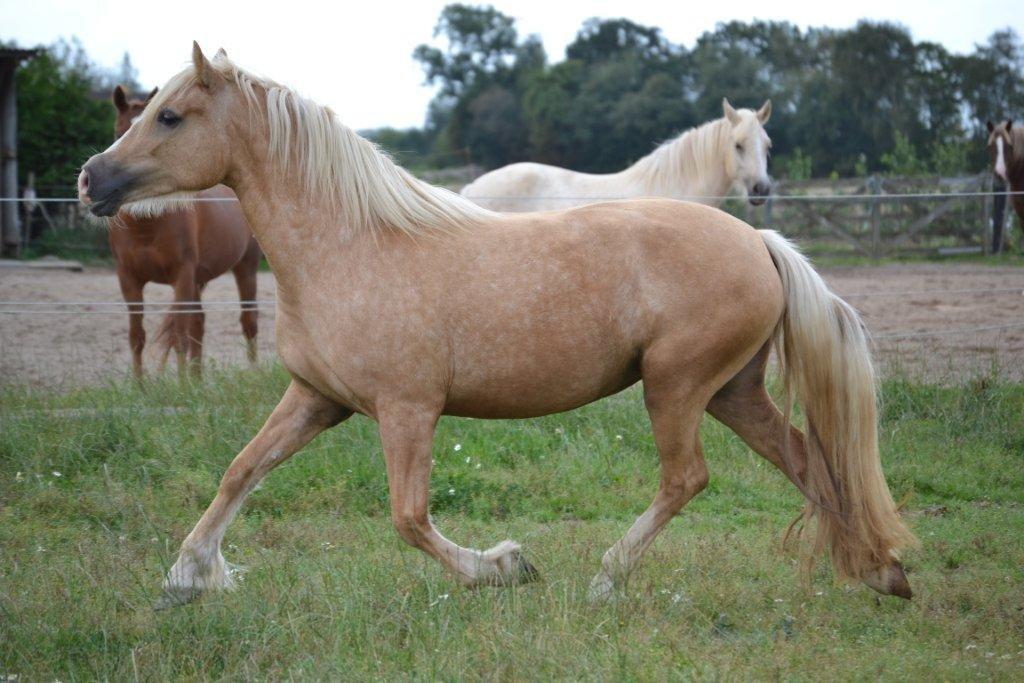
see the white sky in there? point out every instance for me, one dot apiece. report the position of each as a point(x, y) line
point(357, 56)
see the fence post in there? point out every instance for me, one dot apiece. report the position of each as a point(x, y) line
point(875, 187)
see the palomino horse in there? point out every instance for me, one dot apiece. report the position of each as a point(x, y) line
point(404, 302)
point(702, 164)
point(1006, 154)
point(185, 247)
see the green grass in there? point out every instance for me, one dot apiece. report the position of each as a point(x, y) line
point(331, 591)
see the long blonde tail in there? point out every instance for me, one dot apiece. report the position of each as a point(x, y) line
point(165, 339)
point(823, 350)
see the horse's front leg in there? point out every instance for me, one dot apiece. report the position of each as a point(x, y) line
point(131, 291)
point(187, 321)
point(407, 435)
point(301, 415)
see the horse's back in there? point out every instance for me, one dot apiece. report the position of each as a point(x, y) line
point(521, 187)
point(593, 293)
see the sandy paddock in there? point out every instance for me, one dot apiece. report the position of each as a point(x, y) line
point(90, 344)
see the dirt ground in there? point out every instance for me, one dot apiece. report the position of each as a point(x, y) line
point(90, 344)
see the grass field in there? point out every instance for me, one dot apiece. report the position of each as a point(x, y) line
point(93, 506)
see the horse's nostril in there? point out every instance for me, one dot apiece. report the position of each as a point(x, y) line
point(83, 185)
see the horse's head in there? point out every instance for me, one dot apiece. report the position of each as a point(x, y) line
point(746, 161)
point(1000, 147)
point(128, 110)
point(179, 144)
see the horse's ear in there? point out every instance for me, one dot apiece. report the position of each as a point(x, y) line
point(119, 98)
point(151, 95)
point(1009, 125)
point(991, 127)
point(765, 112)
point(204, 70)
point(729, 112)
point(221, 54)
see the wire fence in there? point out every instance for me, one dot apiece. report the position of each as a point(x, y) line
point(873, 217)
point(955, 323)
point(76, 341)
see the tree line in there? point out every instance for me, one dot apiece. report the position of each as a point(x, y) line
point(846, 101)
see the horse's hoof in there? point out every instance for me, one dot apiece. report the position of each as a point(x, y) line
point(603, 591)
point(890, 580)
point(176, 597)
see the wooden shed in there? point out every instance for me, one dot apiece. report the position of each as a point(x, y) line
point(10, 232)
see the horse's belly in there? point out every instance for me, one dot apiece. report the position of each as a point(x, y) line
point(538, 375)
point(553, 396)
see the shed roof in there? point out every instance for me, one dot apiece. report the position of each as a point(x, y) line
point(17, 54)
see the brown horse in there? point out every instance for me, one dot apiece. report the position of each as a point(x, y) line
point(404, 302)
point(1006, 154)
point(184, 247)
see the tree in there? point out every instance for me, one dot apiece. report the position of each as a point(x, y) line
point(60, 122)
point(481, 41)
point(602, 40)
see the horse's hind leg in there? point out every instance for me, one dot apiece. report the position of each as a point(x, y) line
point(407, 433)
point(744, 406)
point(300, 416)
point(245, 278)
point(675, 418)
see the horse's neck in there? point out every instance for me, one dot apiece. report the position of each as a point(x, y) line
point(288, 226)
point(1015, 164)
point(671, 177)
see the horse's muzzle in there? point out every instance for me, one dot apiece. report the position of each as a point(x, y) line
point(103, 184)
point(759, 193)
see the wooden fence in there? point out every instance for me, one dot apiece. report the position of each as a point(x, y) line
point(878, 217)
point(871, 217)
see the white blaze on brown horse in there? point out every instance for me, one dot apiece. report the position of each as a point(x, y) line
point(1006, 156)
point(184, 246)
point(405, 302)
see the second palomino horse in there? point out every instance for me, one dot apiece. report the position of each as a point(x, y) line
point(404, 302)
point(185, 246)
point(701, 165)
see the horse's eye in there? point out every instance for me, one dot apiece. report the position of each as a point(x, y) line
point(739, 148)
point(168, 118)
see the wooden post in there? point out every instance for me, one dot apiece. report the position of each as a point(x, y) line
point(27, 207)
point(11, 235)
point(875, 188)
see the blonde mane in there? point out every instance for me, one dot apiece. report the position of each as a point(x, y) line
point(689, 155)
point(349, 174)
